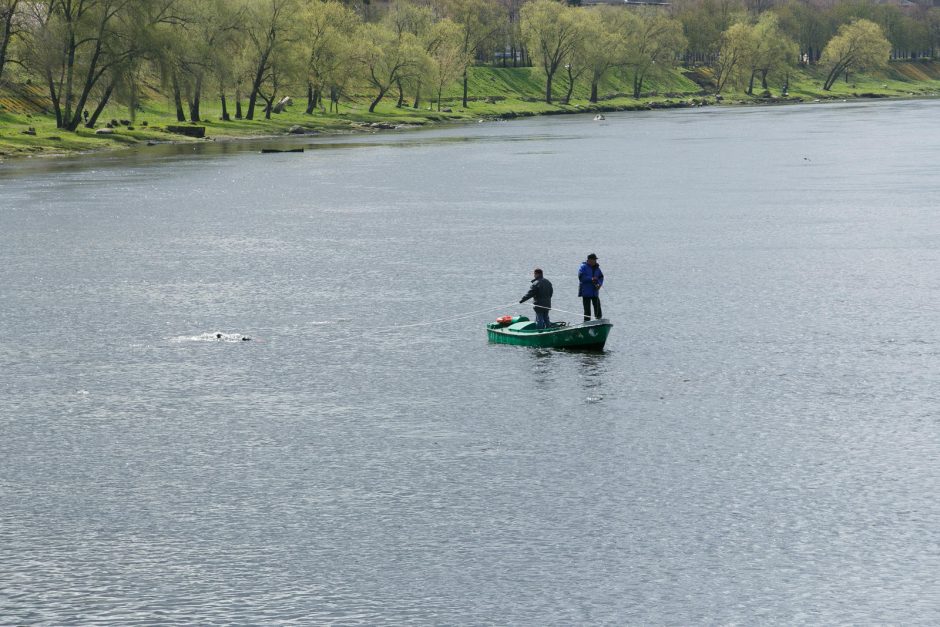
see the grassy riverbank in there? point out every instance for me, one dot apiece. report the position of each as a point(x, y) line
point(495, 93)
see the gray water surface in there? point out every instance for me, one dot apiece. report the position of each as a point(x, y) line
point(759, 443)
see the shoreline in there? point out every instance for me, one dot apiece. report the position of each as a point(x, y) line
point(361, 127)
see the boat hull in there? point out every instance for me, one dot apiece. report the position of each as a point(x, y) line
point(590, 335)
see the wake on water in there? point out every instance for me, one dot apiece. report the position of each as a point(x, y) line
point(219, 336)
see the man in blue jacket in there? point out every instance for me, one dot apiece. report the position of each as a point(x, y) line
point(590, 280)
point(541, 295)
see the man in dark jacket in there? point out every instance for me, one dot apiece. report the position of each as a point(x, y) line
point(590, 280)
point(541, 295)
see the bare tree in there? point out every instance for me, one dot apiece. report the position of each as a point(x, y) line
point(269, 26)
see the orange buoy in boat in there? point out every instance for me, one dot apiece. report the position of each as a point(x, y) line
point(504, 319)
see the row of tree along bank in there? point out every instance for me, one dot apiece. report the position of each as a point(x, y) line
point(246, 54)
point(80, 57)
point(510, 92)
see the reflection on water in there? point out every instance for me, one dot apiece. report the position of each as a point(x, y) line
point(593, 375)
point(589, 368)
point(422, 140)
point(174, 152)
point(543, 366)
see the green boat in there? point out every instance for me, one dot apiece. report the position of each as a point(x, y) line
point(520, 331)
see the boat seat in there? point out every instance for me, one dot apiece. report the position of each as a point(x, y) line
point(522, 326)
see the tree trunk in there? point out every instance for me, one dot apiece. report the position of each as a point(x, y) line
point(194, 100)
point(311, 100)
point(178, 100)
point(465, 88)
point(377, 100)
point(225, 116)
point(401, 95)
point(594, 91)
point(724, 73)
point(268, 104)
point(250, 115)
point(763, 79)
point(69, 69)
point(750, 84)
point(833, 75)
point(570, 87)
point(54, 98)
point(417, 96)
point(92, 74)
point(134, 104)
point(7, 32)
point(548, 88)
point(238, 103)
point(101, 105)
point(255, 86)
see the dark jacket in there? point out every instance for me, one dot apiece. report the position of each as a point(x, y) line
point(540, 293)
point(590, 279)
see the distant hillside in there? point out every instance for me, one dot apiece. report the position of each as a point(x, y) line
point(21, 99)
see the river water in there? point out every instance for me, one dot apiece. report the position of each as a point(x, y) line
point(760, 442)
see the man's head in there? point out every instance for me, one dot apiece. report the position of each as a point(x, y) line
point(537, 273)
point(592, 259)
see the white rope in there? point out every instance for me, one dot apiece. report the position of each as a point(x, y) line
point(440, 320)
point(420, 324)
point(467, 315)
point(565, 311)
point(555, 309)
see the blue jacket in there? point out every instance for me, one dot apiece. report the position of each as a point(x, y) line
point(590, 279)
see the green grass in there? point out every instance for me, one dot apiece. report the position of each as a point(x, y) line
point(899, 80)
point(494, 92)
